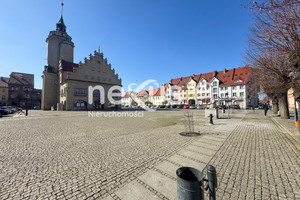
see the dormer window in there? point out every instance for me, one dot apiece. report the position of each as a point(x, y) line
point(237, 81)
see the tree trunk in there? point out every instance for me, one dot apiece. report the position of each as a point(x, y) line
point(275, 104)
point(283, 106)
point(275, 108)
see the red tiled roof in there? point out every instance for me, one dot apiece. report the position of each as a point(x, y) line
point(126, 95)
point(226, 77)
point(141, 94)
point(68, 66)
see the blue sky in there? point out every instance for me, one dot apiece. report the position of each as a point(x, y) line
point(142, 39)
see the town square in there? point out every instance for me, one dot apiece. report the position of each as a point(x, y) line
point(142, 100)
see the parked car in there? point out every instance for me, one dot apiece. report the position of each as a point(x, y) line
point(36, 108)
point(174, 106)
point(3, 111)
point(192, 107)
point(13, 108)
point(200, 107)
point(7, 109)
point(168, 106)
point(250, 107)
point(261, 106)
point(223, 107)
point(186, 107)
point(180, 106)
point(162, 106)
point(235, 107)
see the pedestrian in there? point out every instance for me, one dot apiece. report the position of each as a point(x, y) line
point(266, 108)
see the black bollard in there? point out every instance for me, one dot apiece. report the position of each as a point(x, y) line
point(212, 181)
point(211, 119)
point(189, 184)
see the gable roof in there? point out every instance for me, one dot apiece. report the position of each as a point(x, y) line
point(23, 79)
point(4, 82)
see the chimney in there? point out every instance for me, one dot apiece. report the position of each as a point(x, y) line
point(224, 70)
point(181, 79)
point(193, 75)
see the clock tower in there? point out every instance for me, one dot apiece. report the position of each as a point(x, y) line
point(59, 47)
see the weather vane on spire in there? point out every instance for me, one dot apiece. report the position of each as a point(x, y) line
point(62, 7)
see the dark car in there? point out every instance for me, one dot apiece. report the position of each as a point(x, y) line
point(223, 107)
point(261, 106)
point(250, 107)
point(180, 106)
point(162, 106)
point(168, 106)
point(235, 107)
point(174, 106)
point(3, 112)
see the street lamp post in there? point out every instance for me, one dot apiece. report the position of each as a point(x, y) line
point(293, 76)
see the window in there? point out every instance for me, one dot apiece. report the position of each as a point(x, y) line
point(203, 83)
point(215, 90)
point(203, 88)
point(12, 88)
point(215, 96)
point(17, 88)
point(98, 78)
point(233, 87)
point(207, 87)
point(104, 79)
point(185, 95)
point(203, 94)
point(241, 74)
point(198, 95)
point(92, 77)
point(234, 94)
point(191, 95)
point(215, 83)
point(3, 90)
point(98, 70)
point(221, 88)
point(226, 88)
point(96, 93)
point(207, 94)
point(104, 70)
point(80, 92)
point(241, 86)
point(86, 76)
point(93, 68)
point(235, 74)
point(241, 94)
point(3, 97)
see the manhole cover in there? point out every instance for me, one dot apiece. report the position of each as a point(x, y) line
point(189, 134)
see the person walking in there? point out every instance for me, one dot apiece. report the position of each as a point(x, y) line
point(266, 108)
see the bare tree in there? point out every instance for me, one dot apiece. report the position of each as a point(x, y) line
point(275, 47)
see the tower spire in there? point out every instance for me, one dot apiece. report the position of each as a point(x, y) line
point(60, 26)
point(62, 7)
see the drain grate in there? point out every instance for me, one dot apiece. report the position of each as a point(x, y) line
point(189, 134)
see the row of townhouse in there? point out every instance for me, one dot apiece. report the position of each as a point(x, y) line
point(227, 87)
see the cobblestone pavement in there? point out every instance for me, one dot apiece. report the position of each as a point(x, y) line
point(68, 155)
point(259, 160)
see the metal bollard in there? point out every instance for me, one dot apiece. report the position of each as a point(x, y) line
point(212, 181)
point(189, 184)
point(211, 119)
